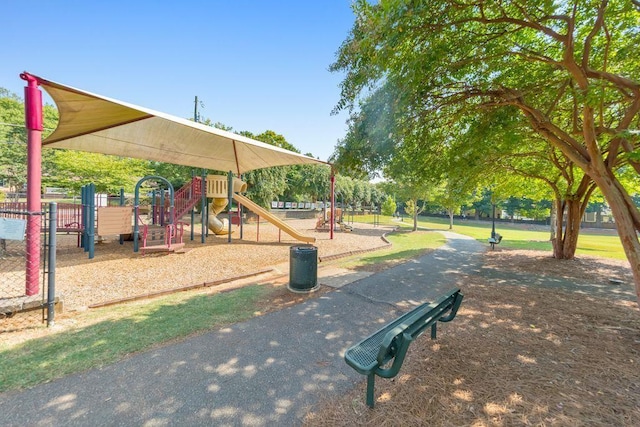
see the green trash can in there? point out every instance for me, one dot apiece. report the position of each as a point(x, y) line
point(303, 268)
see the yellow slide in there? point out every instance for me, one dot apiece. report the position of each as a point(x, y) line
point(215, 225)
point(272, 219)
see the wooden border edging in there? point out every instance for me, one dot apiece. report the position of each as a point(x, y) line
point(181, 289)
point(360, 251)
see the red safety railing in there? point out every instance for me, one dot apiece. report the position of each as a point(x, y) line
point(69, 214)
point(187, 197)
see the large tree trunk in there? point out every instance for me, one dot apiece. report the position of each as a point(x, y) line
point(568, 220)
point(450, 212)
point(553, 221)
point(626, 218)
point(415, 214)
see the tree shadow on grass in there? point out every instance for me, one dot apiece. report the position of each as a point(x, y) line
point(104, 342)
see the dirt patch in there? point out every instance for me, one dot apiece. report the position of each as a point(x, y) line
point(539, 262)
point(514, 356)
point(117, 272)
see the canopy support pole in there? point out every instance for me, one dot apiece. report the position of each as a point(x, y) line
point(204, 210)
point(333, 201)
point(33, 123)
point(230, 196)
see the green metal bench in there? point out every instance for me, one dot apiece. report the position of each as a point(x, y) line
point(389, 345)
point(495, 240)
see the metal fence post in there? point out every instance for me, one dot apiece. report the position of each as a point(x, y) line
point(92, 220)
point(51, 275)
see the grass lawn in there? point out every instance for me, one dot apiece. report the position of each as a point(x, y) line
point(594, 243)
point(405, 245)
point(122, 330)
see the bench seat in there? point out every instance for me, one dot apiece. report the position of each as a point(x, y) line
point(390, 343)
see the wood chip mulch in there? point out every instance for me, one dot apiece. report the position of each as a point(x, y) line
point(514, 356)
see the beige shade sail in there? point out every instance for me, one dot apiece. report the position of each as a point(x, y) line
point(94, 123)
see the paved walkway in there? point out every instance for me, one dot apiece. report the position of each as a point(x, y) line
point(265, 371)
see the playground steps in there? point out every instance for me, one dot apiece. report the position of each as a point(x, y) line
point(155, 233)
point(187, 197)
point(166, 238)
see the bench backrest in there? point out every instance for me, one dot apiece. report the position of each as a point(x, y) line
point(410, 326)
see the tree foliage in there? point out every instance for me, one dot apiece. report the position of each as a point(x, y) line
point(388, 206)
point(60, 168)
point(13, 139)
point(568, 68)
point(267, 184)
point(108, 173)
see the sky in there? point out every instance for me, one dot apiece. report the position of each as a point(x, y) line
point(255, 65)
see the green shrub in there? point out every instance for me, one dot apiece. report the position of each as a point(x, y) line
point(388, 206)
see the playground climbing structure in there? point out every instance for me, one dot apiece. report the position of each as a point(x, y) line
point(218, 191)
point(165, 235)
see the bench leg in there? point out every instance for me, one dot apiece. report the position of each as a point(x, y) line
point(433, 331)
point(370, 389)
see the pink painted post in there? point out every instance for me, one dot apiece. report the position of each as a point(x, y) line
point(333, 202)
point(33, 123)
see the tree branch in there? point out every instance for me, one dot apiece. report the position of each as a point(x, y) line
point(620, 141)
point(597, 26)
point(616, 79)
point(561, 92)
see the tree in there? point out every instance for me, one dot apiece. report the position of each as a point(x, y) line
point(13, 139)
point(414, 208)
point(109, 173)
point(566, 67)
point(308, 183)
point(518, 162)
point(378, 195)
point(411, 188)
point(452, 194)
point(316, 181)
point(344, 189)
point(483, 204)
point(369, 143)
point(177, 175)
point(60, 168)
point(388, 206)
point(265, 185)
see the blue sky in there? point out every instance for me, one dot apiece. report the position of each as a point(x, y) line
point(256, 65)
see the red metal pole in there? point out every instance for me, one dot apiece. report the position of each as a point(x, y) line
point(33, 123)
point(333, 202)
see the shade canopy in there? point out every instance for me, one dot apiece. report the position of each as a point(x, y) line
point(94, 123)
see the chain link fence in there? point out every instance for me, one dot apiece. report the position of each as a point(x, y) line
point(25, 303)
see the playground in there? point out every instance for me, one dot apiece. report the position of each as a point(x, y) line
point(148, 135)
point(107, 263)
point(116, 272)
